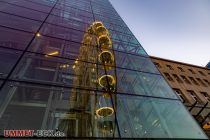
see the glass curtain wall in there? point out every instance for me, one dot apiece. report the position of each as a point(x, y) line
point(58, 73)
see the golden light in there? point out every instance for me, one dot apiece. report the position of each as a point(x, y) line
point(52, 53)
point(73, 66)
point(76, 61)
point(104, 111)
point(38, 34)
point(105, 42)
point(206, 125)
point(106, 57)
point(93, 70)
point(97, 24)
point(64, 66)
point(106, 78)
point(101, 30)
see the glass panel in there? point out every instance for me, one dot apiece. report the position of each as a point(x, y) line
point(110, 20)
point(78, 5)
point(129, 48)
point(16, 10)
point(134, 62)
point(142, 117)
point(1, 81)
point(14, 39)
point(19, 23)
point(73, 12)
point(51, 69)
point(62, 33)
point(49, 3)
point(8, 58)
point(46, 45)
point(28, 4)
point(133, 82)
point(121, 29)
point(68, 23)
point(124, 37)
point(73, 16)
point(74, 112)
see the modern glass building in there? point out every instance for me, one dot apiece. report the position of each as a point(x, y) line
point(75, 67)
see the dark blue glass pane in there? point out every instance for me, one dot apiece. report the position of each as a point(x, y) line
point(21, 11)
point(8, 58)
point(14, 39)
point(19, 22)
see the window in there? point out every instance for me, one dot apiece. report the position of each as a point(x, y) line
point(177, 78)
point(201, 82)
point(193, 81)
point(206, 96)
point(180, 94)
point(185, 79)
point(157, 65)
point(168, 77)
point(207, 81)
point(180, 69)
point(193, 95)
point(191, 71)
point(201, 73)
point(170, 67)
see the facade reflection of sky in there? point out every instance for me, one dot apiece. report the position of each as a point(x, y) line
point(172, 29)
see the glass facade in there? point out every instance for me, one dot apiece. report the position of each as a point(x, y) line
point(58, 73)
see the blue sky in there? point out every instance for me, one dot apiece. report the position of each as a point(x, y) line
point(172, 29)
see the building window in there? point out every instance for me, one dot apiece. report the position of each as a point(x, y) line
point(180, 94)
point(177, 78)
point(201, 73)
point(185, 79)
point(157, 65)
point(206, 96)
point(169, 67)
point(193, 81)
point(207, 81)
point(191, 71)
point(193, 95)
point(180, 69)
point(168, 77)
point(201, 82)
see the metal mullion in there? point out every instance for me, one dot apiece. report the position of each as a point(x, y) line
point(82, 88)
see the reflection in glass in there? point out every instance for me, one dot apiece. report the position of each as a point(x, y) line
point(8, 58)
point(14, 39)
point(20, 11)
point(53, 108)
point(154, 118)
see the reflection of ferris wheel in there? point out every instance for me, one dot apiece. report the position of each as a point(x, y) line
point(94, 68)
